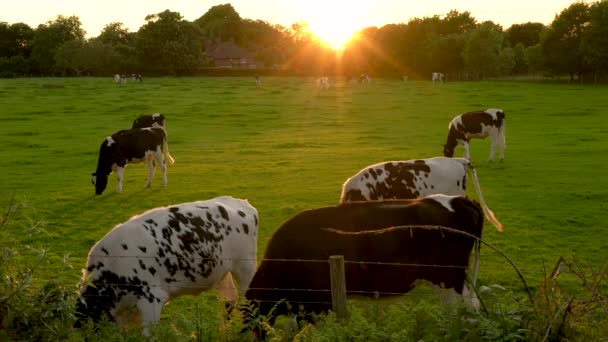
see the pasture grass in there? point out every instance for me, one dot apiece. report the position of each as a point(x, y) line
point(286, 147)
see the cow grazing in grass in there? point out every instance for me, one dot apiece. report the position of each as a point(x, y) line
point(167, 252)
point(414, 179)
point(323, 83)
point(128, 147)
point(479, 124)
point(149, 120)
point(437, 77)
point(381, 259)
point(364, 78)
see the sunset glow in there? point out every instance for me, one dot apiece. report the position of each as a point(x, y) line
point(335, 22)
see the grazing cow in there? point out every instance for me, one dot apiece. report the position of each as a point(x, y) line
point(120, 79)
point(479, 124)
point(258, 80)
point(414, 179)
point(378, 261)
point(323, 83)
point(137, 78)
point(167, 252)
point(364, 78)
point(437, 77)
point(150, 120)
point(130, 147)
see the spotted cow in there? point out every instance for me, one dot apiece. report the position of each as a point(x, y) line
point(149, 120)
point(167, 252)
point(382, 257)
point(323, 83)
point(437, 77)
point(414, 179)
point(479, 124)
point(131, 146)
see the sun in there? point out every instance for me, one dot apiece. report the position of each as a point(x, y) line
point(335, 22)
point(334, 34)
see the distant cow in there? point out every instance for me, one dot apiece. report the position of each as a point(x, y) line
point(149, 120)
point(167, 252)
point(364, 78)
point(129, 147)
point(479, 124)
point(323, 83)
point(414, 179)
point(137, 78)
point(382, 259)
point(258, 80)
point(121, 79)
point(437, 77)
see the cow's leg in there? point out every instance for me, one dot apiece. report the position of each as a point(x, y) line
point(150, 310)
point(501, 141)
point(493, 137)
point(227, 288)
point(150, 162)
point(162, 165)
point(120, 171)
point(470, 297)
point(243, 271)
point(467, 154)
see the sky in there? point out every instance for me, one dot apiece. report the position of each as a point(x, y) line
point(324, 16)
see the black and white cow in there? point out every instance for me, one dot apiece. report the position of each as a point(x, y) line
point(479, 124)
point(437, 77)
point(167, 252)
point(149, 120)
point(128, 147)
point(382, 259)
point(414, 179)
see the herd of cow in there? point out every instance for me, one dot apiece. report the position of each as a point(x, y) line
point(397, 223)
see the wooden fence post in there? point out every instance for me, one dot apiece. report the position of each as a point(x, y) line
point(338, 285)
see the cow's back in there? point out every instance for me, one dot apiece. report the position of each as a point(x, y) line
point(407, 179)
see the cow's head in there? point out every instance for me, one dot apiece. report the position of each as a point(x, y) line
point(448, 151)
point(100, 182)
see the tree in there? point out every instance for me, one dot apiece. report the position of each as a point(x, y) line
point(562, 41)
point(482, 53)
point(595, 42)
point(49, 37)
point(169, 44)
point(118, 45)
point(15, 39)
point(527, 34)
point(221, 22)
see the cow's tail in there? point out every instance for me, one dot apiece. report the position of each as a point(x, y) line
point(489, 214)
point(168, 159)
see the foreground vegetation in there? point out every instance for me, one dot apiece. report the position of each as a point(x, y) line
point(286, 146)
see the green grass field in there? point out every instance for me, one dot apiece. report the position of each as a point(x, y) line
point(287, 146)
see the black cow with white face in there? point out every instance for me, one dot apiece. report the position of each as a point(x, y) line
point(295, 265)
point(149, 120)
point(479, 124)
point(128, 147)
point(168, 252)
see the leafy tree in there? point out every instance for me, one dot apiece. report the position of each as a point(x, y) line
point(562, 41)
point(482, 53)
point(15, 39)
point(49, 37)
point(456, 22)
point(527, 34)
point(169, 44)
point(595, 42)
point(221, 22)
point(118, 46)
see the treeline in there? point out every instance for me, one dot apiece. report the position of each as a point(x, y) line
point(574, 44)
